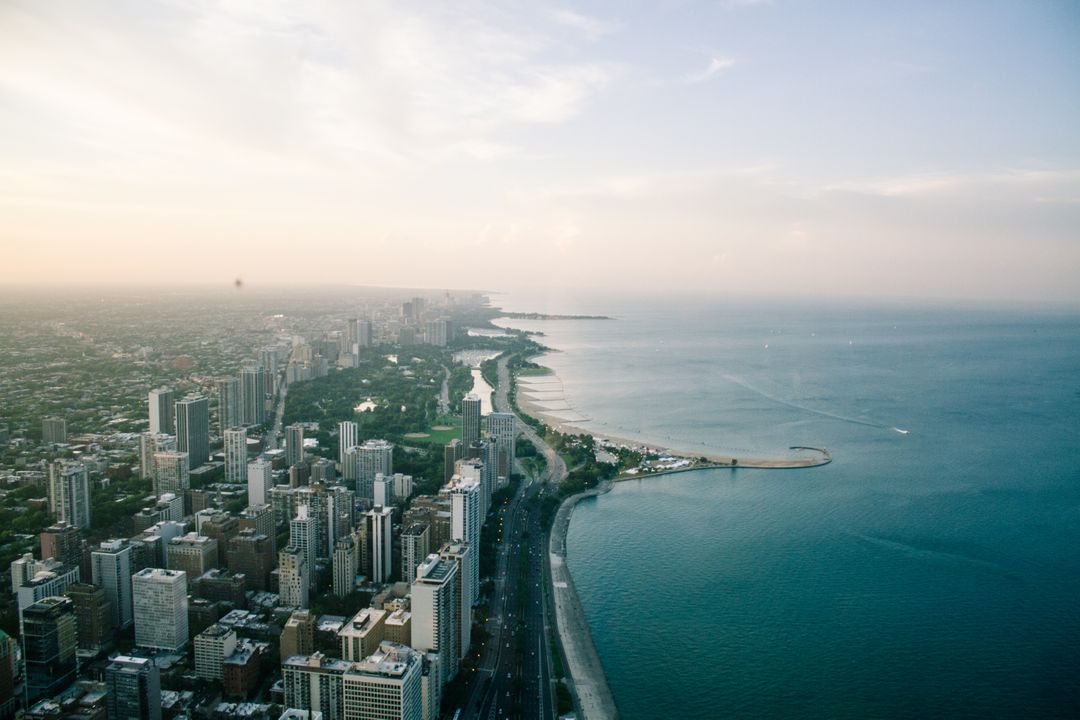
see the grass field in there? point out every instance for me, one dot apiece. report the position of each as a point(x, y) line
point(442, 437)
point(533, 372)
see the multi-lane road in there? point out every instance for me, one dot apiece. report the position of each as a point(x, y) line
point(514, 677)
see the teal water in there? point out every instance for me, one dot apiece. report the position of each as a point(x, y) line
point(928, 574)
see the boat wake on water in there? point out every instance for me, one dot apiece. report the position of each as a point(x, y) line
point(843, 418)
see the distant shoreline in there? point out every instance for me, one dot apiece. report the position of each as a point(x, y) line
point(547, 316)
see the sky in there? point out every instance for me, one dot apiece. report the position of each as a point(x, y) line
point(913, 149)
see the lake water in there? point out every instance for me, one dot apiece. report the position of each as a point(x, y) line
point(932, 570)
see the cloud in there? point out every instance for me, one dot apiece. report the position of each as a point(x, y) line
point(716, 66)
point(591, 27)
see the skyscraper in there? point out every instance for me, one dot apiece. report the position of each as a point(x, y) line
point(435, 613)
point(235, 455)
point(162, 411)
point(465, 523)
point(470, 419)
point(293, 582)
point(313, 682)
point(294, 444)
point(373, 457)
point(228, 403)
point(452, 452)
point(260, 478)
point(172, 473)
point(380, 541)
point(304, 535)
point(415, 547)
point(50, 635)
point(93, 617)
point(348, 433)
point(251, 554)
point(111, 568)
point(134, 689)
point(69, 493)
point(344, 565)
point(503, 426)
point(193, 429)
point(252, 394)
point(382, 489)
point(161, 609)
point(465, 556)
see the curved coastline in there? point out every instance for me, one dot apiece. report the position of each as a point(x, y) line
point(585, 670)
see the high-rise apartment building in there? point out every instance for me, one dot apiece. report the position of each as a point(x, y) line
point(415, 547)
point(50, 639)
point(69, 493)
point(380, 541)
point(293, 581)
point(360, 636)
point(193, 554)
point(465, 520)
point(436, 613)
point(172, 473)
point(313, 682)
point(463, 555)
point(348, 436)
point(384, 685)
point(304, 535)
point(111, 567)
point(235, 440)
point(452, 452)
point(53, 430)
point(251, 554)
point(227, 390)
point(252, 394)
point(63, 543)
point(470, 419)
point(212, 646)
point(149, 444)
point(260, 478)
point(193, 429)
point(382, 489)
point(162, 411)
point(344, 565)
point(161, 608)
point(134, 689)
point(503, 426)
point(93, 617)
point(372, 458)
point(294, 444)
point(298, 635)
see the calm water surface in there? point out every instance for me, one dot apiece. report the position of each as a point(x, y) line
point(929, 574)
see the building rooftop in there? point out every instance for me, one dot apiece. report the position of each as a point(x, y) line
point(390, 660)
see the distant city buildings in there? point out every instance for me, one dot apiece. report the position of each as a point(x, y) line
point(193, 429)
point(53, 430)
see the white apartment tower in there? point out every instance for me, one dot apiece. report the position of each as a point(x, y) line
point(162, 411)
point(372, 458)
point(235, 455)
point(161, 608)
point(260, 478)
point(348, 433)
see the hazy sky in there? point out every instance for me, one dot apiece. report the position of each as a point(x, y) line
point(896, 148)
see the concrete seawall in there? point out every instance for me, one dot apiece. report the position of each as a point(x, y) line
point(594, 698)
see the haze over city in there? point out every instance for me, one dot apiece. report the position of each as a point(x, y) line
point(742, 146)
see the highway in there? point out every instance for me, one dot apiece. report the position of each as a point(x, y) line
point(514, 676)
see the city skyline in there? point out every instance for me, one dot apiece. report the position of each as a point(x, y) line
point(744, 146)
